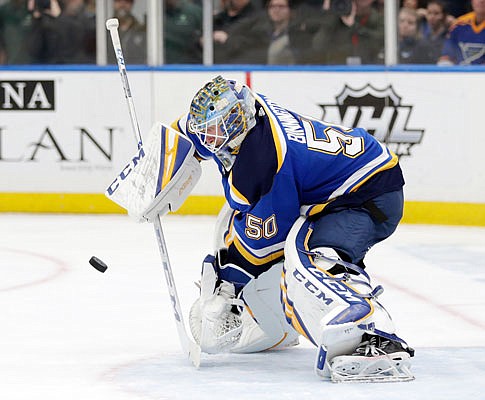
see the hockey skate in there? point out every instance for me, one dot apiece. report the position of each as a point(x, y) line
point(376, 359)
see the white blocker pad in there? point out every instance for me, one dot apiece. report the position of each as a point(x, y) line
point(160, 176)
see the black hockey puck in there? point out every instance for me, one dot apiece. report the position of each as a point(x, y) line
point(98, 264)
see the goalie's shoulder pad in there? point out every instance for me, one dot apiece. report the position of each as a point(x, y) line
point(159, 177)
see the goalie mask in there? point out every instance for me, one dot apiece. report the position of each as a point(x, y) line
point(221, 115)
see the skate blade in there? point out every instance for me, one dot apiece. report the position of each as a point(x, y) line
point(371, 369)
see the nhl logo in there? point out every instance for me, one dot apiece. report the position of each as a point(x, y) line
point(380, 112)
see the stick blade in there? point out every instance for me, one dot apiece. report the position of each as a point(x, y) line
point(194, 354)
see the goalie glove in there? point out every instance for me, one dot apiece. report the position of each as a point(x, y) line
point(159, 177)
point(214, 320)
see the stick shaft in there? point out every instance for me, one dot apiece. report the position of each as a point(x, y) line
point(190, 348)
point(112, 26)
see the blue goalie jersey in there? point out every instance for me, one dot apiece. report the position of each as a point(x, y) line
point(291, 165)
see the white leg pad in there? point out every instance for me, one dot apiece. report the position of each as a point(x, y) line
point(332, 313)
point(262, 295)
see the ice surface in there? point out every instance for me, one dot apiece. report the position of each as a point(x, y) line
point(68, 331)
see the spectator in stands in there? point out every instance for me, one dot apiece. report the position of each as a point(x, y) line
point(91, 5)
point(465, 43)
point(15, 25)
point(312, 12)
point(132, 34)
point(43, 36)
point(218, 5)
point(182, 30)
point(287, 35)
point(235, 12)
point(409, 4)
point(379, 6)
point(456, 8)
point(435, 27)
point(64, 37)
point(279, 36)
point(412, 50)
point(419, 6)
point(415, 5)
point(355, 38)
point(309, 7)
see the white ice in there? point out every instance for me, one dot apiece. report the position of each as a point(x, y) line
point(69, 332)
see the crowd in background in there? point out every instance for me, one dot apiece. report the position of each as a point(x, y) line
point(270, 32)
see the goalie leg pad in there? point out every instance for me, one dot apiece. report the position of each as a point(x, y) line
point(331, 311)
point(264, 323)
point(313, 298)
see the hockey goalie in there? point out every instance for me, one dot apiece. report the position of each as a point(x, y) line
point(305, 201)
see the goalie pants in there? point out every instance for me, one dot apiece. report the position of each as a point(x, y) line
point(353, 231)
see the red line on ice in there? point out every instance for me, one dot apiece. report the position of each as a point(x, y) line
point(446, 309)
point(61, 267)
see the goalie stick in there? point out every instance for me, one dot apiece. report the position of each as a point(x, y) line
point(190, 348)
point(112, 26)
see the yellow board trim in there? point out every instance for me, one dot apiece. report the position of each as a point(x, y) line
point(415, 212)
point(90, 203)
point(421, 212)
